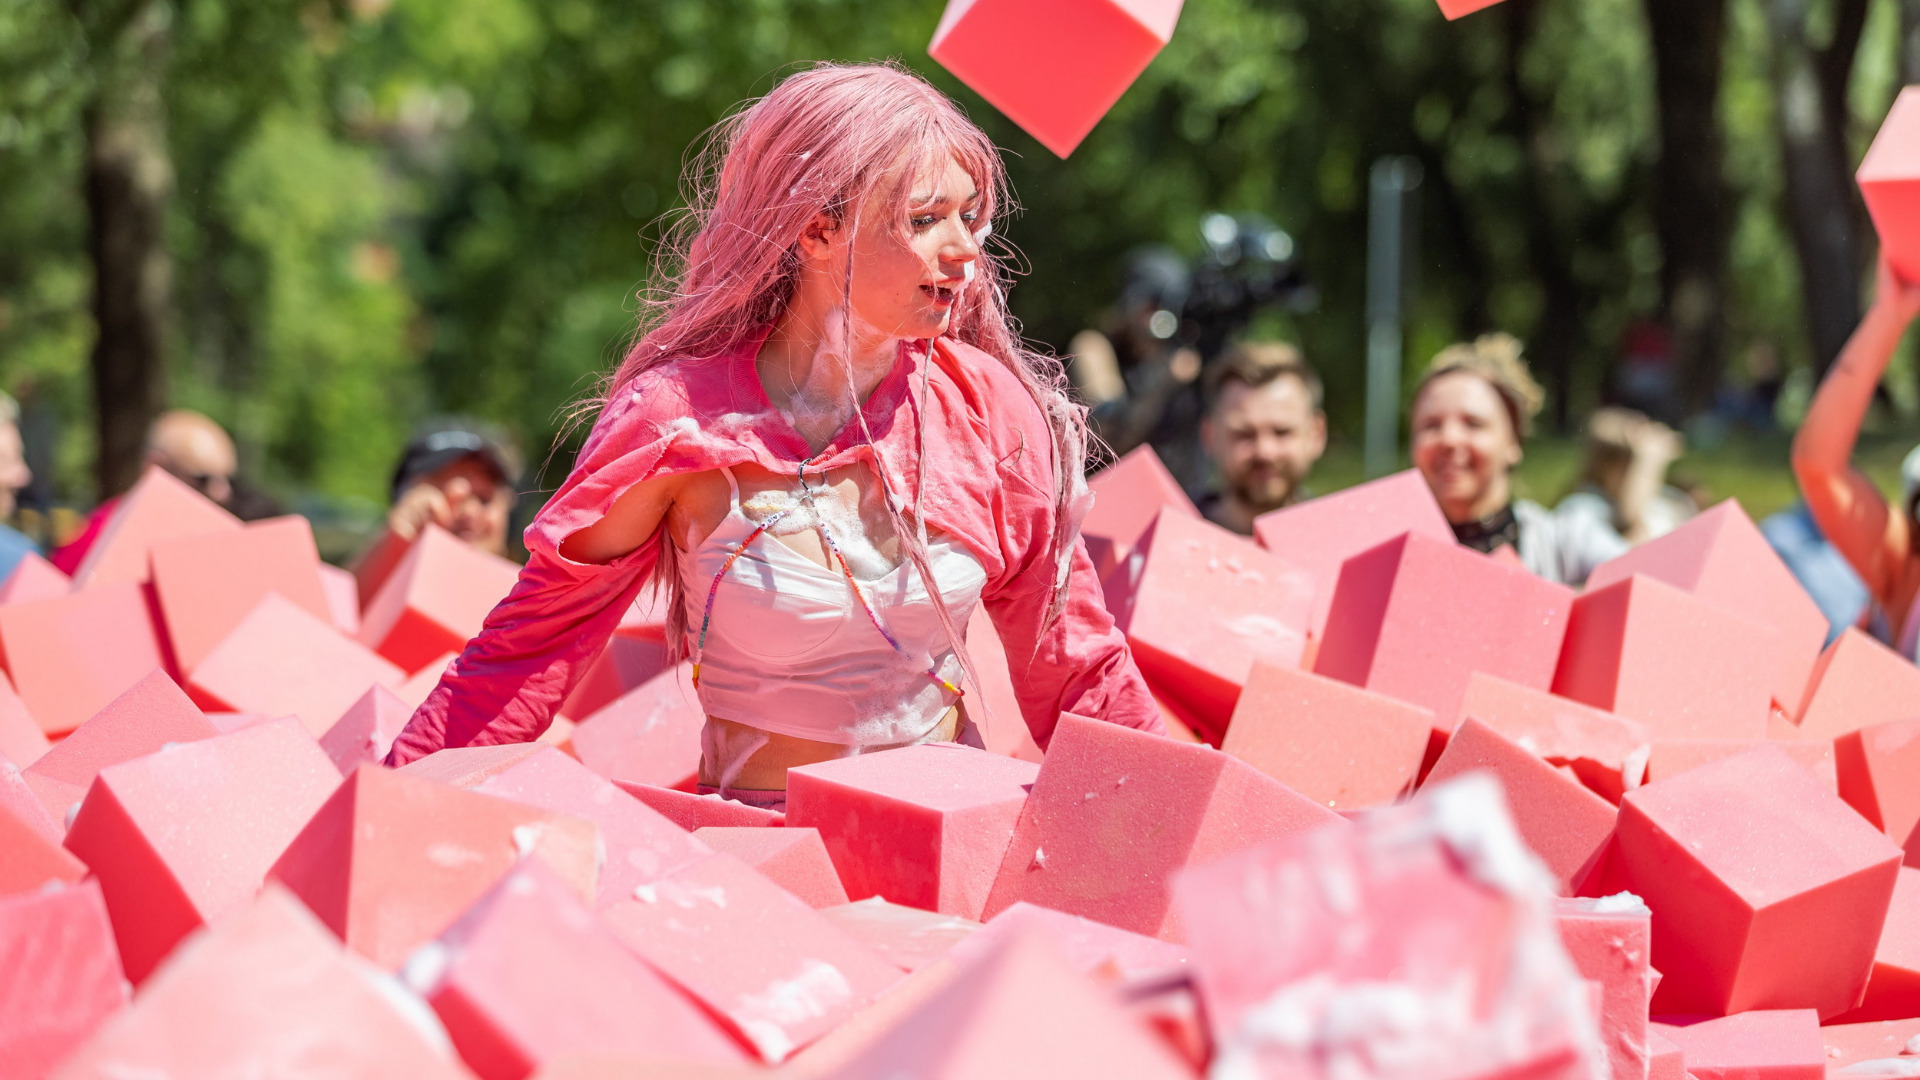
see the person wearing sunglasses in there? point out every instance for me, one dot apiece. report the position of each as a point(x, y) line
point(187, 444)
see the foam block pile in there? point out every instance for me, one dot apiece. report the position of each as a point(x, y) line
point(1421, 816)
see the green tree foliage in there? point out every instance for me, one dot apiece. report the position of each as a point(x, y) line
point(386, 208)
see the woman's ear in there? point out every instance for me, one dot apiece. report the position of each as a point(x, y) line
point(817, 236)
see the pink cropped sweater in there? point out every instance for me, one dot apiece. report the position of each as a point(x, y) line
point(988, 483)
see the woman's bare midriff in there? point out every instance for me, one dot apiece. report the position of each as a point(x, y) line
point(767, 769)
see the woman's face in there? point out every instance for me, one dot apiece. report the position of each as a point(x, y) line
point(1464, 444)
point(906, 280)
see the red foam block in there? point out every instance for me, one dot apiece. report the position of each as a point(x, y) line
point(1684, 667)
point(925, 825)
point(158, 508)
point(648, 735)
point(34, 578)
point(1767, 891)
point(751, 952)
point(1054, 69)
point(1609, 941)
point(1115, 811)
point(19, 800)
point(1721, 557)
point(365, 732)
point(1454, 9)
point(1671, 757)
point(1127, 496)
point(147, 716)
point(1563, 822)
point(1019, 1010)
point(181, 837)
point(1337, 744)
point(1765, 1044)
point(71, 655)
point(435, 599)
point(21, 740)
point(632, 656)
point(1321, 534)
point(207, 584)
point(282, 660)
point(1874, 1040)
point(1415, 617)
point(1608, 752)
point(641, 845)
point(1879, 775)
point(1200, 606)
point(528, 975)
point(343, 599)
point(1858, 683)
point(1889, 180)
point(995, 708)
point(690, 811)
point(59, 975)
point(390, 860)
point(1106, 953)
point(1300, 943)
point(793, 858)
point(1893, 990)
point(29, 858)
point(910, 938)
point(467, 766)
point(266, 992)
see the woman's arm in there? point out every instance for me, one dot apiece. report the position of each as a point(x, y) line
point(537, 642)
point(1848, 507)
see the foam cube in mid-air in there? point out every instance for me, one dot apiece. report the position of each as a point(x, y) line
point(1889, 180)
point(1055, 68)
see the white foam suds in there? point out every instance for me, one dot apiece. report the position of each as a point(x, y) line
point(1882, 1067)
point(811, 993)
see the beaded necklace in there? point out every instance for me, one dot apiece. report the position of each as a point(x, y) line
point(833, 547)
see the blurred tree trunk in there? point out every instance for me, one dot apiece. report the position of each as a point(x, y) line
point(1692, 206)
point(1824, 212)
point(1910, 42)
point(129, 177)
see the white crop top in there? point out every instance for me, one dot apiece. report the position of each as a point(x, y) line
point(790, 650)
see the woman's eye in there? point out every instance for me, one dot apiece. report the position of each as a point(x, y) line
point(970, 216)
point(923, 221)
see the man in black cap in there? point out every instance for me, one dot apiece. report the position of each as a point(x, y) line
point(456, 474)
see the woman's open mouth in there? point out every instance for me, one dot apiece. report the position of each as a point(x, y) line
point(942, 294)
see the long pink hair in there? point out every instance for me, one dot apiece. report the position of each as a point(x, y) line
point(826, 140)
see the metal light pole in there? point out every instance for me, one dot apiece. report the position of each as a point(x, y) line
point(1391, 213)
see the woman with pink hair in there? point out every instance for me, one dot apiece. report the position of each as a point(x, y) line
point(827, 447)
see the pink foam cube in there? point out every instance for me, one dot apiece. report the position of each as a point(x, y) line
point(343, 598)
point(793, 858)
point(994, 707)
point(467, 766)
point(1671, 757)
point(1413, 618)
point(207, 584)
point(1767, 891)
point(1609, 940)
point(365, 732)
point(1200, 606)
point(59, 975)
point(1879, 775)
point(754, 954)
point(266, 992)
point(1876, 1041)
point(435, 599)
point(1889, 179)
point(1454, 9)
point(147, 716)
point(1106, 953)
point(1682, 666)
point(1858, 683)
point(29, 858)
point(1393, 941)
point(1563, 822)
point(1608, 752)
point(34, 578)
point(19, 800)
point(1115, 811)
point(648, 735)
point(924, 825)
point(21, 740)
point(910, 938)
point(1341, 746)
point(390, 860)
point(1720, 557)
point(283, 660)
point(528, 975)
point(1127, 496)
point(1764, 1044)
point(641, 845)
point(159, 507)
point(1054, 69)
point(180, 837)
point(632, 655)
point(1009, 1013)
point(691, 811)
point(1321, 534)
point(69, 656)
point(1893, 990)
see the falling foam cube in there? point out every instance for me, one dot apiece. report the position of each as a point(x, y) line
point(1889, 180)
